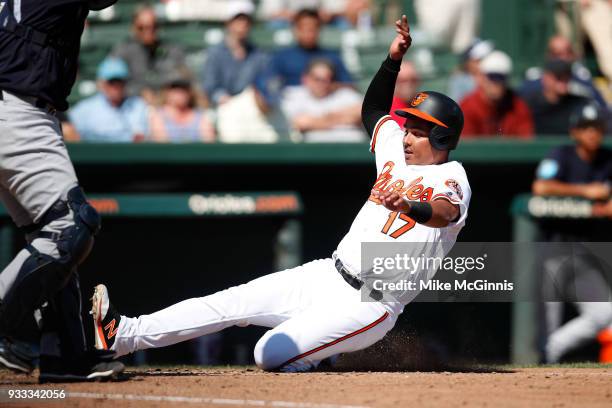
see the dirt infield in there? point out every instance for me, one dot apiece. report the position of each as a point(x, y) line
point(530, 387)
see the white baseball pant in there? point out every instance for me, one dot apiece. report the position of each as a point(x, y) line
point(314, 314)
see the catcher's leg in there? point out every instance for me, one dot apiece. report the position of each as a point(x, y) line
point(59, 243)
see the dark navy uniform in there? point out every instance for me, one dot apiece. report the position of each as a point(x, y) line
point(39, 48)
point(564, 164)
point(568, 272)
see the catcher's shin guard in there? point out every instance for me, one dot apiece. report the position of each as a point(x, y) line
point(41, 276)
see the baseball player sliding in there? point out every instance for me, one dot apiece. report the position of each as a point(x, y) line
point(316, 310)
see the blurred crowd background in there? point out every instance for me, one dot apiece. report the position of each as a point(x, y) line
point(267, 71)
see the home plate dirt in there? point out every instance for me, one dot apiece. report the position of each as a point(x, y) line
point(529, 387)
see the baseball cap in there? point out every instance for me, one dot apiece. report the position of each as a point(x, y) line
point(113, 68)
point(587, 115)
point(558, 67)
point(497, 65)
point(236, 9)
point(478, 50)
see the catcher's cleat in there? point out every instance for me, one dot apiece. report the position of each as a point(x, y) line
point(106, 318)
point(16, 356)
point(94, 365)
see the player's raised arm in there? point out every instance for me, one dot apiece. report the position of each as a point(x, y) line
point(379, 96)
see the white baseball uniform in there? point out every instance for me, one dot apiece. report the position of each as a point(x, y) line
point(312, 311)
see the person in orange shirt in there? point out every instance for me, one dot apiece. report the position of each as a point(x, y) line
point(493, 108)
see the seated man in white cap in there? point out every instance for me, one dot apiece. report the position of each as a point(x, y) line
point(493, 108)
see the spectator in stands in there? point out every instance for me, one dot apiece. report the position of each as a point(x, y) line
point(596, 21)
point(580, 170)
point(151, 60)
point(580, 83)
point(287, 65)
point(493, 108)
point(339, 13)
point(463, 81)
point(406, 87)
point(110, 115)
point(232, 65)
point(453, 23)
point(320, 110)
point(179, 119)
point(552, 105)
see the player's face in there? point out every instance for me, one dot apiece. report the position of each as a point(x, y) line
point(417, 149)
point(588, 137)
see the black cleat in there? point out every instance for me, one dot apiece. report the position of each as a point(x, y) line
point(16, 356)
point(93, 366)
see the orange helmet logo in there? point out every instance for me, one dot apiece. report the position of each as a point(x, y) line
point(419, 99)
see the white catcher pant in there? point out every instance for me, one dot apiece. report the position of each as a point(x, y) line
point(313, 313)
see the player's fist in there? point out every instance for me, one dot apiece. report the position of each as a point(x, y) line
point(391, 200)
point(402, 40)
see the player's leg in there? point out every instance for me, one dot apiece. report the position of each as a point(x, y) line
point(37, 173)
point(325, 330)
point(592, 318)
point(585, 285)
point(266, 301)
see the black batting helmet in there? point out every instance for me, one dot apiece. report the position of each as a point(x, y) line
point(442, 112)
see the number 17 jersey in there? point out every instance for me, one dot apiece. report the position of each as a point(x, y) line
point(426, 183)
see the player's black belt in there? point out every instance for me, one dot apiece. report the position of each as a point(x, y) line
point(355, 282)
point(39, 103)
point(37, 37)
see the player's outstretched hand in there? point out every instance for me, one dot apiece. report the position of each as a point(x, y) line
point(391, 200)
point(402, 40)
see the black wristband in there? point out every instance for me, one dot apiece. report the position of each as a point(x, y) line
point(421, 212)
point(392, 65)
